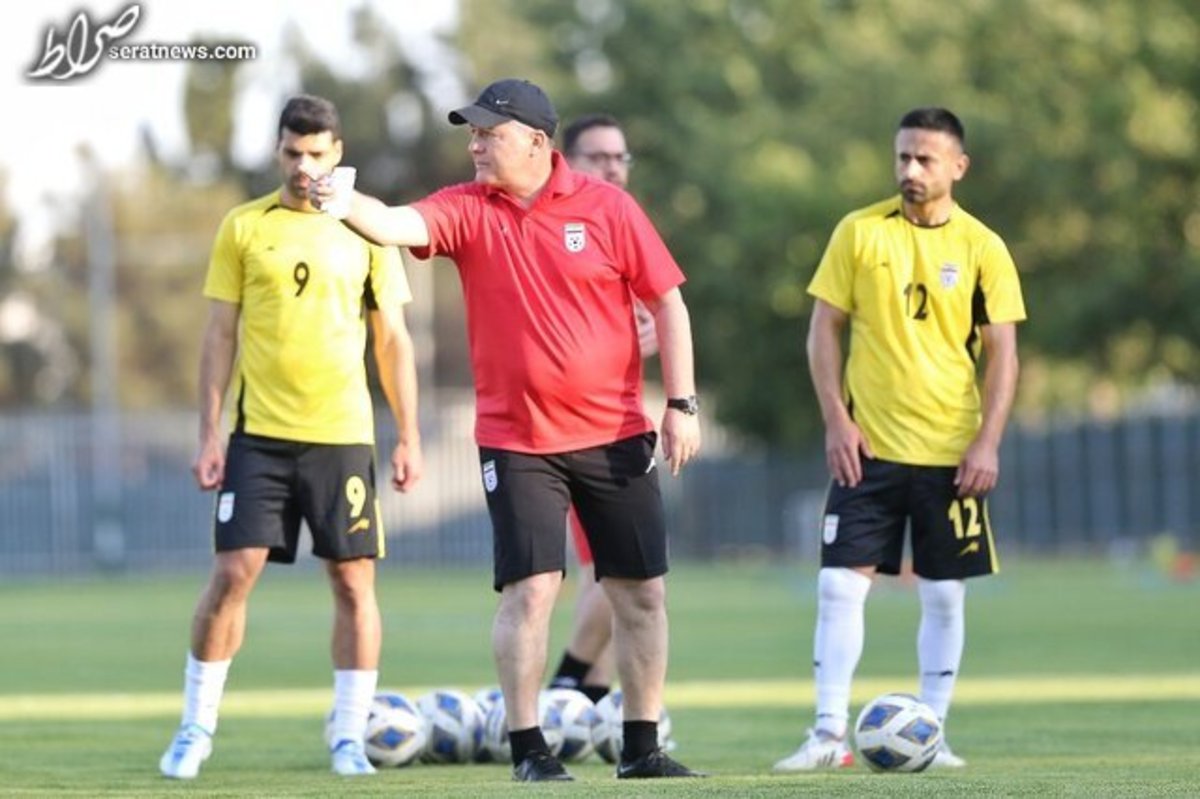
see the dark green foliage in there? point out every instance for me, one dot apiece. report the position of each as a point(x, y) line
point(759, 123)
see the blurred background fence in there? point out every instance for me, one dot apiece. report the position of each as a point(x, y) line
point(67, 507)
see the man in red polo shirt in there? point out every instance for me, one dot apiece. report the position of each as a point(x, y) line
point(549, 259)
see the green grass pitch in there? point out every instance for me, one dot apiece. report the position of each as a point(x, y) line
point(1081, 678)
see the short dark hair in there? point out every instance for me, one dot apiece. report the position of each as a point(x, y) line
point(585, 123)
point(934, 118)
point(307, 113)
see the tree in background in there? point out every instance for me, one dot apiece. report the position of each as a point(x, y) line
point(759, 123)
point(165, 212)
point(35, 361)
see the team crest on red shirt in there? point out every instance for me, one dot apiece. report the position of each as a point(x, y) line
point(574, 236)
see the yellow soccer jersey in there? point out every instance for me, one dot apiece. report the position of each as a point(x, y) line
point(916, 298)
point(303, 281)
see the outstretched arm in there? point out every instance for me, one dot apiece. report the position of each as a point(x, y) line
point(399, 225)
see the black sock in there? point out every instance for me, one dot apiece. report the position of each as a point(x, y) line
point(641, 737)
point(571, 672)
point(594, 692)
point(526, 742)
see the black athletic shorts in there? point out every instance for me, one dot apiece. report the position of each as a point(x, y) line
point(271, 484)
point(614, 489)
point(864, 525)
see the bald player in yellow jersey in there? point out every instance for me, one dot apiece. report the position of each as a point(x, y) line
point(926, 289)
point(291, 291)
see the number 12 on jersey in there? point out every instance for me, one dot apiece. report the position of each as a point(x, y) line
point(916, 301)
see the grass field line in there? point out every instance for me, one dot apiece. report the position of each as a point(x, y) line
point(306, 702)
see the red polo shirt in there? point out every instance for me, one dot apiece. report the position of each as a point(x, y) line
point(554, 348)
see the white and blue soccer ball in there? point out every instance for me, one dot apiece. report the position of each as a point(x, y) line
point(395, 699)
point(395, 734)
point(897, 732)
point(495, 732)
point(495, 735)
point(453, 726)
point(486, 697)
point(569, 716)
point(608, 732)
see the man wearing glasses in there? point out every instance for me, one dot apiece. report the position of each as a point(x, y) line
point(595, 145)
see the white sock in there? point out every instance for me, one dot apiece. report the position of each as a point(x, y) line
point(837, 643)
point(203, 687)
point(940, 640)
point(353, 691)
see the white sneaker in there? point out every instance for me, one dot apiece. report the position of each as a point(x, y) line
point(190, 747)
point(350, 759)
point(946, 759)
point(822, 750)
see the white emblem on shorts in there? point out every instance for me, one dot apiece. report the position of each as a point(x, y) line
point(574, 236)
point(829, 533)
point(490, 481)
point(225, 507)
point(651, 466)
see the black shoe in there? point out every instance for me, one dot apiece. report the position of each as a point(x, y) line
point(540, 766)
point(565, 682)
point(655, 763)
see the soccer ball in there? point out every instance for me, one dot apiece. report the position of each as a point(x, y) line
point(397, 700)
point(551, 723)
point(395, 736)
point(453, 725)
point(897, 732)
point(486, 697)
point(608, 734)
point(395, 732)
point(495, 735)
point(570, 716)
point(495, 732)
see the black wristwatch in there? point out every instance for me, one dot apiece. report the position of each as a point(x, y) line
point(689, 405)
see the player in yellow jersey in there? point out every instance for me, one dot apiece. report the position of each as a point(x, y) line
point(926, 289)
point(291, 291)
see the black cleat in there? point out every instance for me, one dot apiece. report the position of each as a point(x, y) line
point(654, 764)
point(565, 682)
point(539, 767)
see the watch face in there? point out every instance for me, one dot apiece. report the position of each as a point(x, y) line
point(689, 405)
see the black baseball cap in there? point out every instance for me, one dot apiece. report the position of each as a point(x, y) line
point(511, 98)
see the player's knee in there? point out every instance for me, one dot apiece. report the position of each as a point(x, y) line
point(532, 595)
point(942, 597)
point(233, 575)
point(837, 585)
point(353, 582)
point(634, 600)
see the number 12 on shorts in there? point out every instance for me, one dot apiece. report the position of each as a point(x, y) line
point(969, 517)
